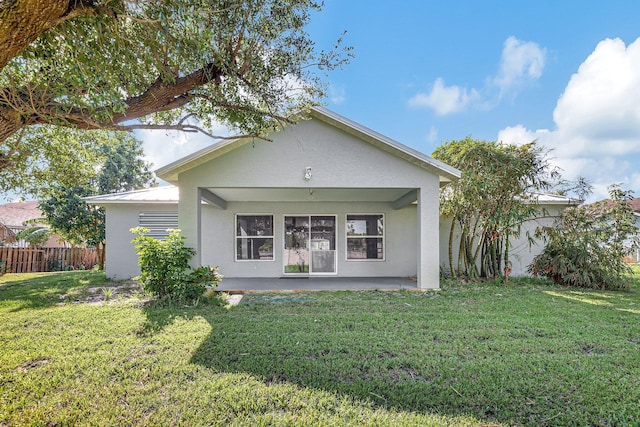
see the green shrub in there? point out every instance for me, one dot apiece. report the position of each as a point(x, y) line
point(586, 245)
point(164, 267)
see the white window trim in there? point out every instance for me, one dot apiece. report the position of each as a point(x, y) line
point(236, 237)
point(383, 237)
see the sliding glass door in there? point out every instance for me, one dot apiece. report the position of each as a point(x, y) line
point(309, 244)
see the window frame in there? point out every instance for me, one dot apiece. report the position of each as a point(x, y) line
point(335, 250)
point(236, 237)
point(383, 237)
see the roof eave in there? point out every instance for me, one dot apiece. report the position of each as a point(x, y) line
point(446, 173)
point(131, 202)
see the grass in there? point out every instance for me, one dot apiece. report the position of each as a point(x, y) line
point(525, 354)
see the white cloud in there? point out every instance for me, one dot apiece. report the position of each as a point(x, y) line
point(521, 62)
point(432, 137)
point(519, 135)
point(444, 99)
point(337, 95)
point(600, 108)
point(597, 120)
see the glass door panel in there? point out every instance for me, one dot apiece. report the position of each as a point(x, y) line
point(296, 245)
point(323, 244)
point(310, 244)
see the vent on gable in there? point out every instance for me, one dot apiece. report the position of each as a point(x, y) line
point(158, 222)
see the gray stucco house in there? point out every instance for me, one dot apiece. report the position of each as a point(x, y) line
point(327, 197)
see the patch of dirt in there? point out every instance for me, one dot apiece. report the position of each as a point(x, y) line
point(32, 364)
point(119, 291)
point(100, 294)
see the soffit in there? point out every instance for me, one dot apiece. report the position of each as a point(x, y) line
point(310, 194)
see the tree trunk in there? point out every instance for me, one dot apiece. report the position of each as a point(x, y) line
point(507, 263)
point(158, 97)
point(23, 21)
point(454, 274)
point(101, 249)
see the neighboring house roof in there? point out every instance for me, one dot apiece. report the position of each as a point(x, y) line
point(634, 203)
point(446, 173)
point(167, 194)
point(554, 199)
point(15, 215)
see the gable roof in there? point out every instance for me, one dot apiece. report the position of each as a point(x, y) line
point(446, 173)
point(633, 203)
point(16, 214)
point(167, 194)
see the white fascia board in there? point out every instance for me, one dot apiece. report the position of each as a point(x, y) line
point(446, 173)
point(155, 195)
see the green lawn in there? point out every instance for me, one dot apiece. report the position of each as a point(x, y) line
point(524, 354)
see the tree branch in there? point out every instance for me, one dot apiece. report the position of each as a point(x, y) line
point(246, 108)
point(186, 128)
point(17, 108)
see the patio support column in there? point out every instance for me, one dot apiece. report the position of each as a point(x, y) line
point(428, 238)
point(189, 219)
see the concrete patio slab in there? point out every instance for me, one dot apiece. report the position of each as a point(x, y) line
point(267, 284)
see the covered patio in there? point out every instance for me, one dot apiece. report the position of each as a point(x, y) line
point(275, 284)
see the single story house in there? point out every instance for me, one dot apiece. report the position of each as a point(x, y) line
point(524, 247)
point(327, 197)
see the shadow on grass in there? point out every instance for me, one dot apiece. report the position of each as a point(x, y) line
point(41, 290)
point(302, 343)
point(429, 354)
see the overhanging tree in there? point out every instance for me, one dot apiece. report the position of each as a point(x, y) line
point(57, 156)
point(121, 168)
point(171, 64)
point(488, 205)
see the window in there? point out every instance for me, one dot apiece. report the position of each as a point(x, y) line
point(158, 222)
point(254, 237)
point(365, 237)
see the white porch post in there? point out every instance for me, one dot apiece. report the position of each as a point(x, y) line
point(189, 219)
point(428, 239)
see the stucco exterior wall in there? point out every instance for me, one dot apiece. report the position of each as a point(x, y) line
point(121, 261)
point(521, 253)
point(400, 241)
point(337, 160)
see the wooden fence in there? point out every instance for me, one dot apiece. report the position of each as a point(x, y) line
point(26, 260)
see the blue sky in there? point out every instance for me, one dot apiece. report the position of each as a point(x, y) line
point(566, 73)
